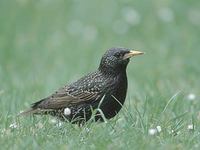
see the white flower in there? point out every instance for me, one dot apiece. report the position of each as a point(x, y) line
point(13, 125)
point(59, 124)
point(152, 131)
point(190, 127)
point(87, 130)
point(67, 111)
point(175, 132)
point(159, 129)
point(191, 96)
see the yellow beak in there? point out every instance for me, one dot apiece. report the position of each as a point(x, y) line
point(132, 53)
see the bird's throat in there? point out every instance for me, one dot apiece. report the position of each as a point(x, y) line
point(113, 71)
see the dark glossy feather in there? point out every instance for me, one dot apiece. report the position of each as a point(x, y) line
point(77, 100)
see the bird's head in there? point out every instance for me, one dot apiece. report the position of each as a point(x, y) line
point(116, 59)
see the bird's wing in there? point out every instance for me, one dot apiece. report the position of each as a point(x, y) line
point(65, 97)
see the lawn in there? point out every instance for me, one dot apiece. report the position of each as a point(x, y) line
point(46, 44)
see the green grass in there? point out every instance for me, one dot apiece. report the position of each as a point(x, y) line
point(46, 44)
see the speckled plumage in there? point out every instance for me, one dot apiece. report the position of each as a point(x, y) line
point(107, 85)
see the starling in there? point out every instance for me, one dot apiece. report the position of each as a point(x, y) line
point(103, 90)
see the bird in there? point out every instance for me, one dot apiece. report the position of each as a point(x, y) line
point(100, 94)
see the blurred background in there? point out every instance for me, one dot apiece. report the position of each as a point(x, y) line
point(46, 44)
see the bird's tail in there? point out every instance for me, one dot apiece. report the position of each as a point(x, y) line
point(34, 110)
point(29, 112)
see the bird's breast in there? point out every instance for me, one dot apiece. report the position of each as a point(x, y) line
point(115, 97)
point(119, 88)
